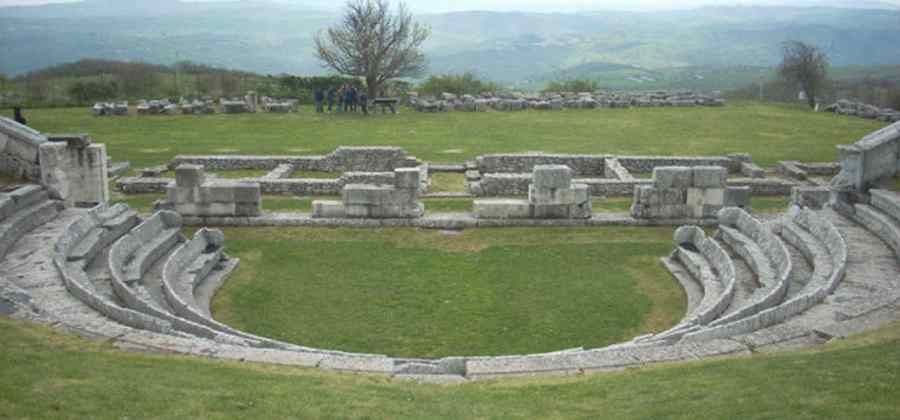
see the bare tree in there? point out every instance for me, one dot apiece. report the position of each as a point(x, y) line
point(806, 66)
point(374, 44)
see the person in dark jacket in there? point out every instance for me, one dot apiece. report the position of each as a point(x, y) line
point(348, 99)
point(331, 92)
point(17, 115)
point(320, 99)
point(364, 102)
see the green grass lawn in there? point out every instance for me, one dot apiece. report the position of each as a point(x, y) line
point(418, 293)
point(49, 375)
point(770, 132)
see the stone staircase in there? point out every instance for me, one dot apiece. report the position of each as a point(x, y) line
point(755, 285)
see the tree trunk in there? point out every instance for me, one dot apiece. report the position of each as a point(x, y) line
point(811, 100)
point(372, 87)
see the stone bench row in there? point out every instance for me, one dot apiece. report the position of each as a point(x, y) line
point(131, 257)
point(21, 211)
point(72, 270)
point(155, 333)
point(882, 217)
point(712, 268)
point(186, 268)
point(766, 255)
point(823, 283)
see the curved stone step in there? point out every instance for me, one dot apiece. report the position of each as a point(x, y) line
point(151, 286)
point(73, 272)
point(752, 268)
point(712, 268)
point(881, 224)
point(206, 289)
point(26, 219)
point(819, 287)
point(765, 253)
point(693, 290)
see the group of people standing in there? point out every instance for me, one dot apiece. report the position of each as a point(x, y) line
point(348, 98)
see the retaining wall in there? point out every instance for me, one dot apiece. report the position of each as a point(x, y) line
point(19, 150)
point(870, 159)
point(343, 159)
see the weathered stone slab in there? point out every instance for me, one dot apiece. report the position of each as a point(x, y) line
point(551, 176)
point(709, 176)
point(673, 177)
point(502, 209)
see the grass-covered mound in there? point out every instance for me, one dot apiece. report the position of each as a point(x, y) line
point(48, 375)
point(770, 132)
point(406, 292)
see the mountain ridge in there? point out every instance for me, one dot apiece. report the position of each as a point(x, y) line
point(508, 47)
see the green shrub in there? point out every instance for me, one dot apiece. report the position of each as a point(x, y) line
point(576, 85)
point(459, 84)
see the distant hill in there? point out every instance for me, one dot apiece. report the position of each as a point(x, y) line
point(516, 49)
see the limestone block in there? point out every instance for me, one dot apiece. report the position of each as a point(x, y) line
point(695, 212)
point(247, 209)
point(710, 211)
point(714, 197)
point(581, 211)
point(551, 176)
point(737, 197)
point(188, 208)
point(551, 196)
point(217, 209)
point(188, 176)
point(582, 194)
point(695, 197)
point(217, 193)
point(643, 194)
point(710, 177)
point(550, 211)
point(667, 211)
point(404, 197)
point(639, 211)
point(247, 192)
point(672, 196)
point(177, 194)
point(407, 178)
point(672, 177)
point(328, 209)
point(366, 194)
point(502, 209)
point(357, 210)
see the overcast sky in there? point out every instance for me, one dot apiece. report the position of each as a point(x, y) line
point(437, 6)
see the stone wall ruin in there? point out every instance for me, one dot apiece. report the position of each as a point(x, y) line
point(71, 167)
point(682, 192)
point(373, 201)
point(193, 195)
point(551, 195)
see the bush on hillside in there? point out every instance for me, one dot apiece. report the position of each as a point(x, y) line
point(458, 84)
point(576, 85)
point(93, 91)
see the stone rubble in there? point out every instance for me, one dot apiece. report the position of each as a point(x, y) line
point(106, 109)
point(517, 101)
point(859, 109)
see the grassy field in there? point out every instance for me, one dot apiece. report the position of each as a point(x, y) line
point(47, 375)
point(770, 132)
point(432, 294)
